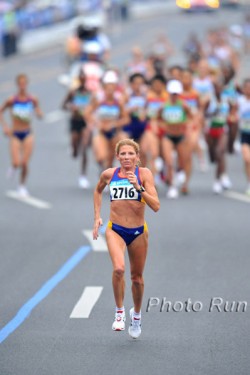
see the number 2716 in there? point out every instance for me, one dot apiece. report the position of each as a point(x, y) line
point(124, 192)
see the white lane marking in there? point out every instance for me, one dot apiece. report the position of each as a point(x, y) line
point(97, 245)
point(237, 196)
point(28, 200)
point(88, 299)
point(54, 116)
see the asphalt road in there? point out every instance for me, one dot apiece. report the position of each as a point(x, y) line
point(199, 250)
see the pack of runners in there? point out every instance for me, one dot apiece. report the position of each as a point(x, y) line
point(172, 111)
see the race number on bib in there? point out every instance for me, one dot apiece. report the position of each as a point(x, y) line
point(123, 192)
point(173, 115)
point(23, 111)
point(245, 122)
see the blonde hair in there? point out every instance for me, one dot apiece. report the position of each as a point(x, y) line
point(127, 142)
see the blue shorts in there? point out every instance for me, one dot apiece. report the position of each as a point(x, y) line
point(108, 134)
point(136, 128)
point(175, 139)
point(128, 234)
point(245, 138)
point(21, 135)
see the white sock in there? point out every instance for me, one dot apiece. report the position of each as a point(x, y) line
point(120, 309)
point(137, 315)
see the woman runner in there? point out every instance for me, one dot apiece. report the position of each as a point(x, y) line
point(20, 134)
point(131, 188)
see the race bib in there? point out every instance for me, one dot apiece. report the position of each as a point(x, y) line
point(23, 111)
point(108, 112)
point(122, 190)
point(192, 103)
point(136, 101)
point(153, 109)
point(81, 100)
point(245, 122)
point(173, 115)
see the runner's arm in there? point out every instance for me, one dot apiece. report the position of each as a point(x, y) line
point(90, 111)
point(66, 105)
point(188, 111)
point(6, 104)
point(124, 117)
point(38, 110)
point(103, 181)
point(150, 194)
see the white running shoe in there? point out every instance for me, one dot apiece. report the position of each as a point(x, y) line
point(119, 322)
point(180, 178)
point(23, 192)
point(159, 164)
point(217, 187)
point(237, 146)
point(225, 182)
point(84, 182)
point(172, 192)
point(134, 329)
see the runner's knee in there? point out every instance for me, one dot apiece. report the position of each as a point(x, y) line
point(24, 164)
point(119, 272)
point(137, 279)
point(16, 164)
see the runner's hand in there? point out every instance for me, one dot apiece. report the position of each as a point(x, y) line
point(97, 224)
point(133, 180)
point(7, 131)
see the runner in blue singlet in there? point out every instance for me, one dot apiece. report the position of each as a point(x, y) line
point(21, 106)
point(131, 188)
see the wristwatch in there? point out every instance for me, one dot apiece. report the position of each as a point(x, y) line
point(141, 190)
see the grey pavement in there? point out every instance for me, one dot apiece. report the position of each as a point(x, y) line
point(199, 249)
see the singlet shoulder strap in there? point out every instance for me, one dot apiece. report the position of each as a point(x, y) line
point(137, 173)
point(114, 174)
point(29, 98)
point(15, 99)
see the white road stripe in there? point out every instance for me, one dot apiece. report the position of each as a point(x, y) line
point(54, 116)
point(97, 245)
point(28, 200)
point(88, 299)
point(237, 196)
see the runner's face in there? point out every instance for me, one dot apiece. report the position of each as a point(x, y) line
point(157, 86)
point(187, 79)
point(110, 88)
point(176, 74)
point(137, 83)
point(174, 97)
point(127, 157)
point(22, 83)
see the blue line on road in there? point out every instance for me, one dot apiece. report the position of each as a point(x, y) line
point(27, 308)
